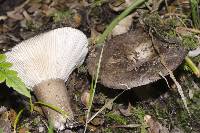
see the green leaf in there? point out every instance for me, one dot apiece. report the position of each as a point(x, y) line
point(5, 65)
point(11, 78)
point(11, 73)
point(2, 77)
point(2, 57)
point(16, 83)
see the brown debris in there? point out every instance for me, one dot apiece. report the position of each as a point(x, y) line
point(154, 126)
point(6, 119)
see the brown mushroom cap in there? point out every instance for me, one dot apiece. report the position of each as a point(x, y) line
point(131, 60)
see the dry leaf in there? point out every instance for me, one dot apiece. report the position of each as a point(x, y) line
point(154, 126)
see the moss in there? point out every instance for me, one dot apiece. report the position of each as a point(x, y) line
point(33, 25)
point(117, 118)
point(82, 69)
point(97, 3)
point(107, 130)
point(161, 112)
point(190, 42)
point(140, 113)
point(163, 28)
point(196, 59)
point(59, 16)
point(183, 120)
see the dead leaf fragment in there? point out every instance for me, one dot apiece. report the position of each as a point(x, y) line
point(123, 26)
point(85, 97)
point(119, 5)
point(23, 130)
point(154, 126)
point(5, 123)
point(12, 116)
point(97, 121)
point(125, 111)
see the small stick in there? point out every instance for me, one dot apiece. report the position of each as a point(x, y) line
point(180, 90)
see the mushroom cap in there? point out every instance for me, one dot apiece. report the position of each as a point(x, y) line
point(131, 60)
point(51, 55)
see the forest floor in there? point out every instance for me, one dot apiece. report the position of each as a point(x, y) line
point(154, 108)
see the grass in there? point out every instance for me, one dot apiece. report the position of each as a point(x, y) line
point(195, 13)
point(59, 16)
point(92, 90)
point(17, 120)
point(50, 128)
point(192, 66)
point(64, 113)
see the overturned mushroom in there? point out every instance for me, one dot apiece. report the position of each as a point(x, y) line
point(45, 62)
point(131, 60)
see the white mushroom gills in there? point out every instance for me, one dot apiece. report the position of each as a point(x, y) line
point(45, 62)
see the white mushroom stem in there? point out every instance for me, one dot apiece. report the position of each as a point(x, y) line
point(57, 96)
point(45, 62)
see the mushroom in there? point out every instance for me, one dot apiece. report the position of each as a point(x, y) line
point(131, 60)
point(45, 62)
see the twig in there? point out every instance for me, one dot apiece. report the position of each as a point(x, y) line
point(3, 17)
point(126, 126)
point(18, 8)
point(180, 90)
point(107, 104)
point(196, 31)
point(160, 73)
point(175, 14)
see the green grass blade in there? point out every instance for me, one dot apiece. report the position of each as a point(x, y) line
point(192, 66)
point(64, 113)
point(1, 130)
point(93, 88)
point(17, 120)
point(50, 128)
point(195, 13)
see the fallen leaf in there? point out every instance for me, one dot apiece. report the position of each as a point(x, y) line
point(154, 126)
point(126, 111)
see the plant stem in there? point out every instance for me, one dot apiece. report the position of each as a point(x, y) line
point(134, 5)
point(93, 89)
point(195, 13)
point(17, 120)
point(194, 68)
